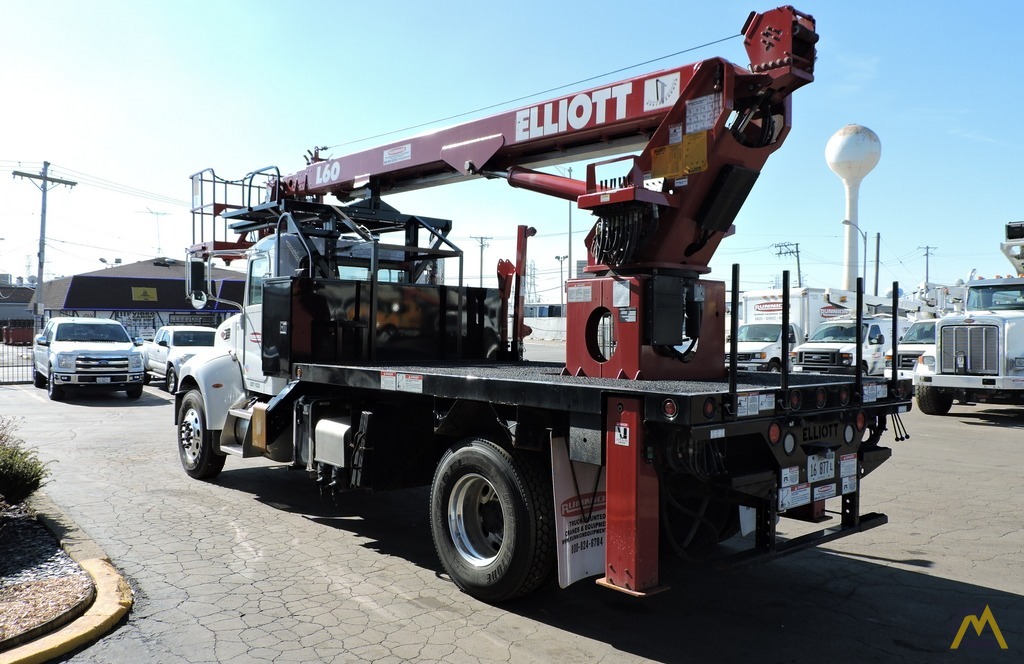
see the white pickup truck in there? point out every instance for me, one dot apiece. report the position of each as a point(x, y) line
point(171, 346)
point(86, 354)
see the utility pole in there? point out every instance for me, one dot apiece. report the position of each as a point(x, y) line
point(483, 245)
point(45, 181)
point(927, 253)
point(791, 249)
point(159, 249)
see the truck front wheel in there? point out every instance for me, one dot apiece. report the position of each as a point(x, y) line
point(492, 520)
point(53, 390)
point(931, 401)
point(195, 442)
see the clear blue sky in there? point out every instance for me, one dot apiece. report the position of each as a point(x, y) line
point(130, 98)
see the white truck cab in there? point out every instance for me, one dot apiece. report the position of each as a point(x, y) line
point(832, 347)
point(759, 345)
point(918, 342)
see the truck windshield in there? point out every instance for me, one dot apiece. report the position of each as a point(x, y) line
point(194, 338)
point(920, 333)
point(762, 332)
point(836, 332)
point(996, 297)
point(91, 333)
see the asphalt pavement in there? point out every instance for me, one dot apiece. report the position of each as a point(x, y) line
point(254, 567)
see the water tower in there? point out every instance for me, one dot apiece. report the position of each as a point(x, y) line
point(851, 153)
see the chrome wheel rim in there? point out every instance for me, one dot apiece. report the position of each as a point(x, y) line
point(476, 520)
point(191, 436)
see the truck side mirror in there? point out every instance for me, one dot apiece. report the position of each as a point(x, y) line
point(197, 284)
point(41, 340)
point(877, 341)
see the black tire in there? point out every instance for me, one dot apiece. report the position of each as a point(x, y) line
point(774, 366)
point(931, 401)
point(171, 381)
point(133, 391)
point(492, 520)
point(195, 442)
point(38, 379)
point(54, 391)
point(145, 378)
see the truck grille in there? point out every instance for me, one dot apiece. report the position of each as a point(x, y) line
point(908, 360)
point(979, 345)
point(742, 357)
point(101, 364)
point(817, 358)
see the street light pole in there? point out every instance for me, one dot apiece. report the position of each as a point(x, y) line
point(561, 285)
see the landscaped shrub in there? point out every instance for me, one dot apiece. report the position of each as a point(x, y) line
point(21, 471)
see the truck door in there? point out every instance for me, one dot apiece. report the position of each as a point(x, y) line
point(251, 323)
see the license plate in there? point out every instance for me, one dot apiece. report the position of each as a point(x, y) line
point(821, 467)
point(102, 379)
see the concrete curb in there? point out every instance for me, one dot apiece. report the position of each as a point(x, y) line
point(113, 597)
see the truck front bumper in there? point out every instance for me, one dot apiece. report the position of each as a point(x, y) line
point(114, 381)
point(965, 382)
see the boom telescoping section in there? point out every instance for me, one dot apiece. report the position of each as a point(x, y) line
point(702, 131)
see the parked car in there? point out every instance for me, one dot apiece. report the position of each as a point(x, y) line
point(171, 347)
point(86, 353)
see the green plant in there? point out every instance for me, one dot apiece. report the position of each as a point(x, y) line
point(21, 471)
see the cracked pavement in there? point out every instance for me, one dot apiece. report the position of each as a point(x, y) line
point(253, 567)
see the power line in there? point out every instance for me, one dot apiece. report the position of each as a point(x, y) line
point(128, 190)
point(535, 94)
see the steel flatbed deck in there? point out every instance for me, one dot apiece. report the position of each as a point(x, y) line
point(542, 384)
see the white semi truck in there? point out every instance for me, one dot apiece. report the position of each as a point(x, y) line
point(759, 338)
point(979, 354)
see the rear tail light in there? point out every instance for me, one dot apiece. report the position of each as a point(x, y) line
point(861, 420)
point(774, 433)
point(796, 400)
point(844, 396)
point(820, 397)
point(710, 407)
point(669, 408)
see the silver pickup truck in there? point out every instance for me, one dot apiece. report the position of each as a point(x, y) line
point(171, 346)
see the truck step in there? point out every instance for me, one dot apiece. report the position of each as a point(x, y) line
point(232, 450)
